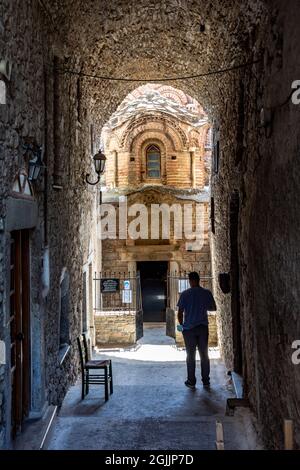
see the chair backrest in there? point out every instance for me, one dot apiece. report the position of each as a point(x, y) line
point(82, 353)
point(86, 349)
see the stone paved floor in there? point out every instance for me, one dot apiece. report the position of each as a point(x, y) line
point(151, 408)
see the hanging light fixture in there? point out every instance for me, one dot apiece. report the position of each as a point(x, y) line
point(33, 156)
point(99, 164)
point(34, 166)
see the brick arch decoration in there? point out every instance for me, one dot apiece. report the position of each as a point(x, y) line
point(155, 134)
point(151, 137)
point(197, 137)
point(157, 122)
point(139, 147)
point(168, 91)
point(173, 93)
point(150, 131)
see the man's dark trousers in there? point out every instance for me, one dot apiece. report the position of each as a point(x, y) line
point(195, 338)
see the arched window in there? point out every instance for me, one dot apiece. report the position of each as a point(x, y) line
point(153, 161)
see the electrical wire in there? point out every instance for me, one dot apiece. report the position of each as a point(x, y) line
point(163, 79)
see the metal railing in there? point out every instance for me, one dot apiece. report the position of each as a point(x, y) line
point(117, 291)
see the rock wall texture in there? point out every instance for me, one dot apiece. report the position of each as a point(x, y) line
point(117, 328)
point(22, 116)
point(259, 162)
point(258, 166)
point(44, 107)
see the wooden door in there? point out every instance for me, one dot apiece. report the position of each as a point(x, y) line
point(19, 328)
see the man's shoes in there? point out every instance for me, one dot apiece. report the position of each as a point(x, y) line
point(206, 386)
point(189, 385)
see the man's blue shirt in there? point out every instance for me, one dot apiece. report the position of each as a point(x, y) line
point(195, 302)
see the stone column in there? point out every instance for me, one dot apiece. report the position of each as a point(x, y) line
point(193, 169)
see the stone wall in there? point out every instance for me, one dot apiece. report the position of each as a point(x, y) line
point(154, 120)
point(2, 415)
point(115, 328)
point(23, 115)
point(261, 164)
point(212, 329)
point(259, 160)
point(119, 329)
point(63, 226)
point(120, 253)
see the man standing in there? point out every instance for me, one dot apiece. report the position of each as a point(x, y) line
point(192, 306)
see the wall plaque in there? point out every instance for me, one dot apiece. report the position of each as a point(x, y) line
point(109, 285)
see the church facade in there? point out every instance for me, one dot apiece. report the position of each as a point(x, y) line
point(158, 149)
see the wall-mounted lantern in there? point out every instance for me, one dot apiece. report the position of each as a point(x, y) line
point(99, 164)
point(33, 157)
point(34, 166)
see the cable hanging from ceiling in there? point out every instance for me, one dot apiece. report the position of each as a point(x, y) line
point(163, 79)
point(144, 80)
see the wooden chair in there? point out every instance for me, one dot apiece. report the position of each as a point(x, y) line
point(103, 366)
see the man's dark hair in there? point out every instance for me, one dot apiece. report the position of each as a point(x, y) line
point(194, 276)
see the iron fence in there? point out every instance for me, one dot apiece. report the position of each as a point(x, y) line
point(121, 291)
point(117, 291)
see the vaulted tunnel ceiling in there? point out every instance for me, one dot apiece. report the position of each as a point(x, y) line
point(149, 40)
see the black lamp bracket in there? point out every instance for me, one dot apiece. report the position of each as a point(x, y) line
point(91, 182)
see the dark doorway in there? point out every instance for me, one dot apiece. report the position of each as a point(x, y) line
point(235, 284)
point(20, 327)
point(154, 289)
